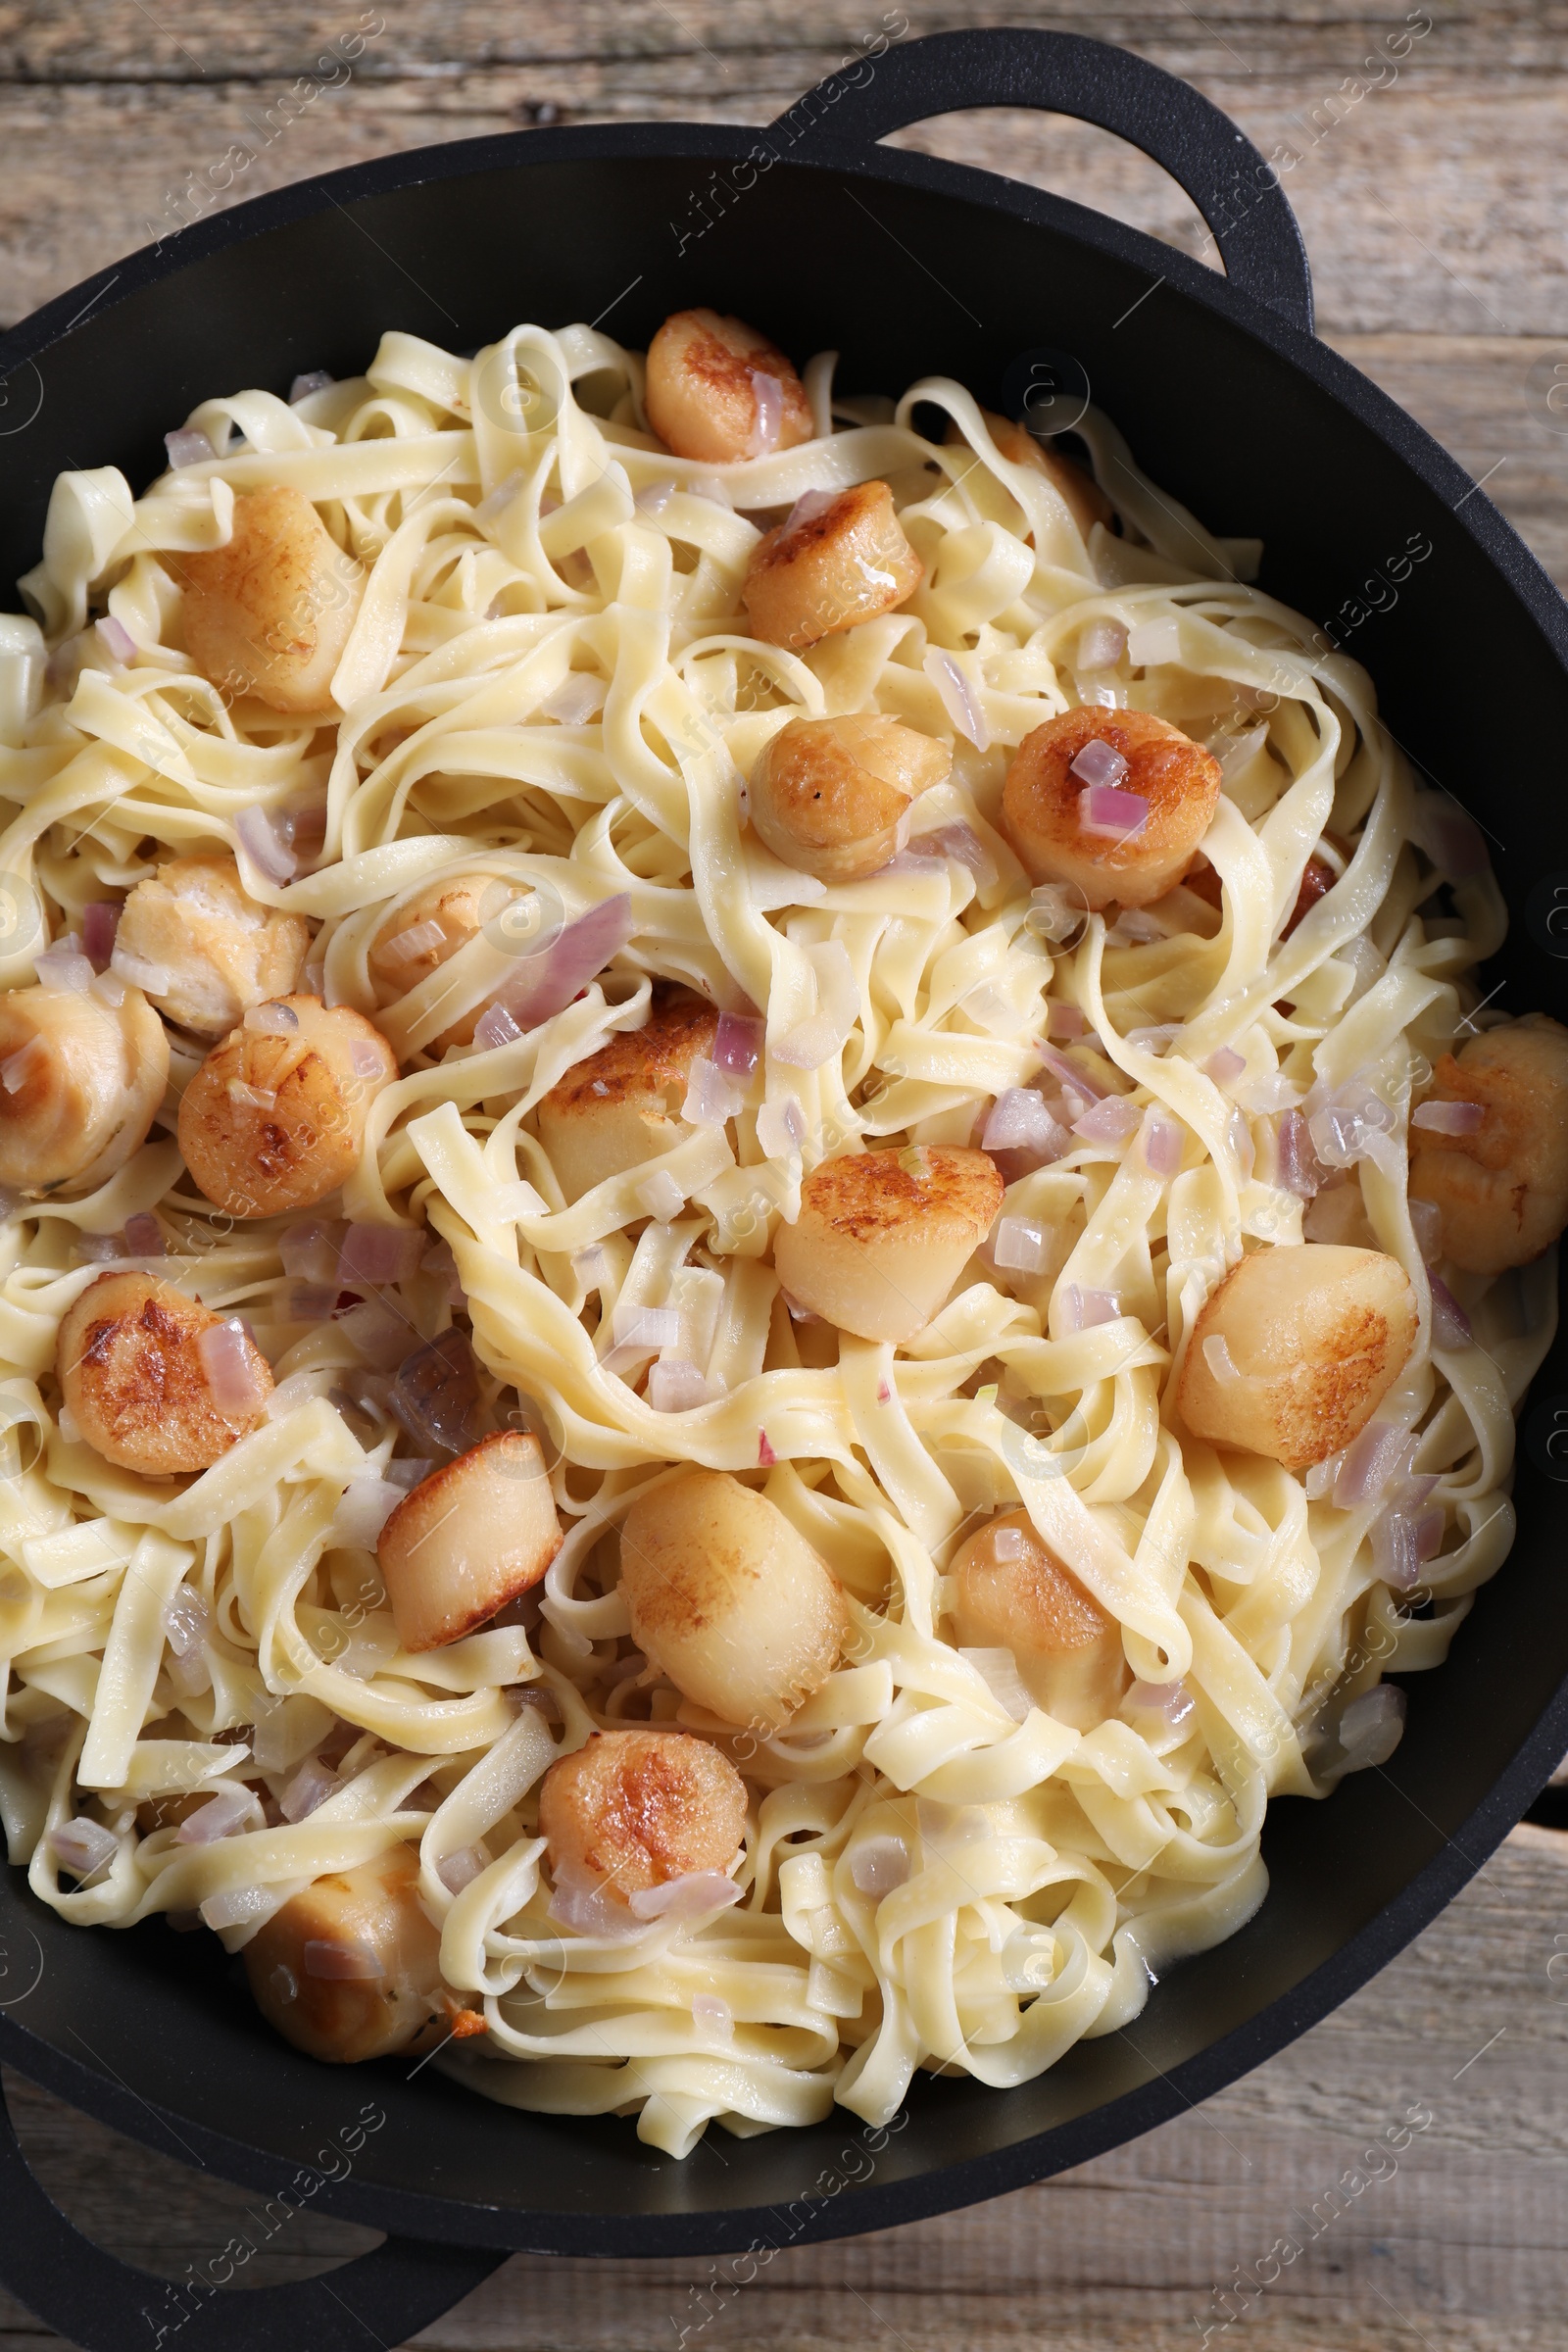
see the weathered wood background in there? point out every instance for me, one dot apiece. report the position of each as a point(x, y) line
point(1434, 209)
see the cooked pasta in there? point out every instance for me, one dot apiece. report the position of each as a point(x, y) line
point(573, 885)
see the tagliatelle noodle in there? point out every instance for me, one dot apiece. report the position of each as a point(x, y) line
point(515, 527)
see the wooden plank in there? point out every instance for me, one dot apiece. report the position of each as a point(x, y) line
point(1459, 2235)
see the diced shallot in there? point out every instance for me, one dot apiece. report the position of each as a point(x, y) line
point(116, 639)
point(1020, 1121)
point(187, 1621)
point(188, 448)
point(223, 1816)
point(495, 1027)
point(460, 1869)
point(644, 1327)
point(1072, 1075)
point(373, 1254)
point(366, 1506)
point(697, 1895)
point(268, 853)
point(436, 1395)
point(1367, 1465)
point(272, 1020)
point(998, 1669)
point(310, 1248)
point(1162, 1143)
point(738, 1045)
point(780, 1127)
point(768, 394)
point(144, 1236)
point(63, 966)
point(1110, 1121)
point(582, 1902)
point(310, 1785)
point(1224, 1065)
point(1100, 764)
point(1154, 641)
point(711, 1099)
point(660, 1196)
point(238, 1906)
point(766, 1458)
point(83, 1846)
point(961, 842)
point(236, 1384)
point(1101, 646)
point(1451, 1325)
point(1402, 1542)
point(544, 984)
point(1021, 1245)
point(713, 2015)
point(1450, 1118)
point(381, 1336)
point(1371, 1726)
point(958, 697)
point(676, 1387)
point(1171, 1700)
point(806, 507)
point(1058, 913)
point(578, 698)
point(316, 381)
point(100, 920)
point(1297, 1168)
point(1109, 813)
point(880, 1866)
point(1083, 1310)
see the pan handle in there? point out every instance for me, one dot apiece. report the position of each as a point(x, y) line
point(96, 2301)
point(1226, 176)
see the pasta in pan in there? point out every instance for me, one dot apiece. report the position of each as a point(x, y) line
point(762, 1235)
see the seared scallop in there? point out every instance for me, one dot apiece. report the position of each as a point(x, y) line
point(468, 1539)
point(220, 951)
point(80, 1079)
point(634, 1809)
point(1010, 1591)
point(1116, 801)
point(728, 1599)
point(351, 1968)
point(275, 1118)
point(832, 797)
point(269, 613)
point(883, 1236)
point(622, 1104)
point(156, 1382)
point(1502, 1184)
point(842, 561)
point(717, 391)
point(1296, 1351)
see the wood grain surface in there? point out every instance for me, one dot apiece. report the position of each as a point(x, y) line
point(1433, 207)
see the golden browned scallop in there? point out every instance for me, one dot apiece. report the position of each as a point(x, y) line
point(221, 950)
point(351, 1968)
point(1010, 1591)
point(883, 1236)
point(622, 1104)
point(1086, 502)
point(847, 561)
point(80, 1079)
point(633, 1810)
point(1296, 1351)
point(474, 1535)
point(1503, 1188)
point(1051, 806)
point(728, 1598)
point(833, 797)
point(275, 1120)
point(270, 612)
point(155, 1380)
point(702, 397)
point(426, 931)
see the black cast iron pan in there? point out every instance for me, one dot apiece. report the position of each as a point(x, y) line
point(908, 266)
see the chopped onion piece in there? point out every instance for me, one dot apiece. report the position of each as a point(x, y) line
point(766, 1458)
point(697, 1895)
point(236, 1384)
point(998, 1669)
point(806, 507)
point(1151, 642)
point(187, 1622)
point(100, 920)
point(712, 1101)
point(61, 966)
point(780, 1127)
point(768, 394)
point(879, 1866)
point(83, 1846)
point(660, 1196)
point(1451, 1325)
point(366, 1506)
point(379, 1254)
point(578, 698)
point(435, 1397)
point(713, 2016)
point(495, 1027)
point(1101, 646)
point(644, 1327)
point(1239, 1136)
point(961, 842)
point(420, 939)
point(738, 1045)
point(1371, 1726)
point(1110, 814)
point(188, 448)
point(1156, 1040)
point(1450, 1118)
point(958, 697)
point(582, 1902)
point(1110, 1121)
point(1019, 1120)
point(1366, 1466)
point(153, 979)
point(312, 1247)
point(1162, 1142)
point(544, 984)
point(1218, 1357)
point(1072, 1075)
point(116, 639)
point(1021, 1245)
point(144, 1236)
point(460, 1869)
point(1171, 1700)
point(1298, 1170)
point(439, 1262)
point(259, 838)
point(272, 1021)
point(1401, 1543)
point(1058, 913)
point(676, 1387)
point(223, 1816)
point(315, 380)
point(238, 1906)
point(654, 496)
point(1083, 1310)
point(1224, 1065)
point(348, 1962)
point(1100, 764)
point(366, 1059)
point(110, 990)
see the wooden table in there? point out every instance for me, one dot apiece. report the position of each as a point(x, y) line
point(1433, 208)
